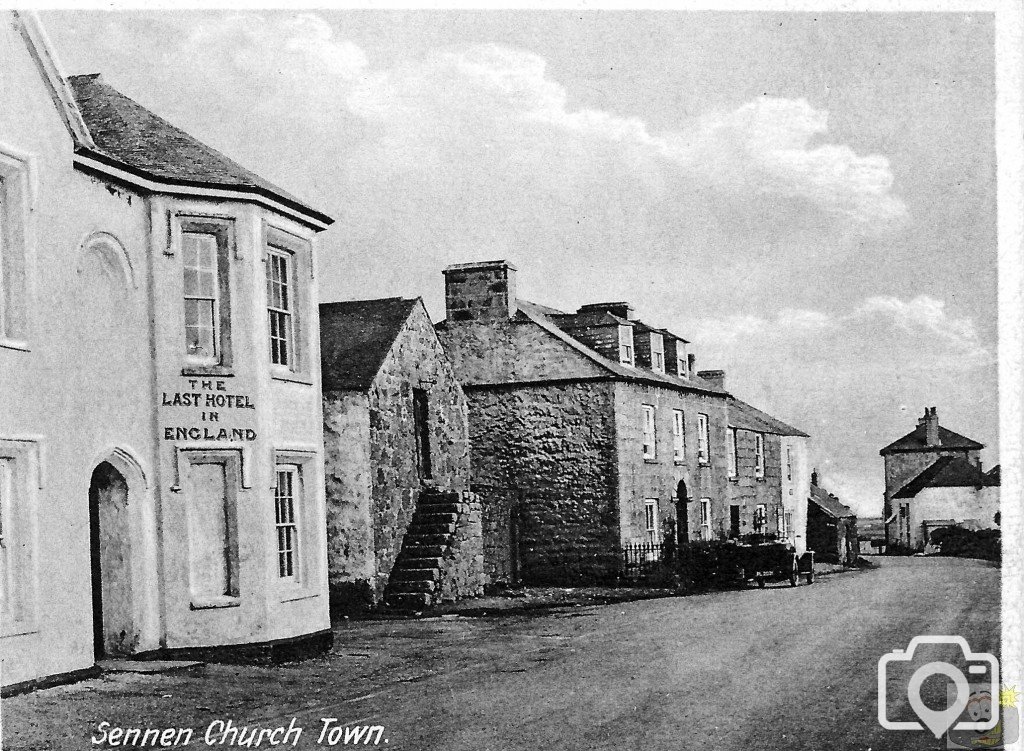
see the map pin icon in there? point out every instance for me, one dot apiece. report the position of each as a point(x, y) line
point(938, 722)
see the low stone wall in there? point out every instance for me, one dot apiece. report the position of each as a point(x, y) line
point(462, 567)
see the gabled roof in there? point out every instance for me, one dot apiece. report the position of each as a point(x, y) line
point(129, 136)
point(948, 472)
point(915, 441)
point(747, 417)
point(356, 336)
point(829, 503)
point(549, 319)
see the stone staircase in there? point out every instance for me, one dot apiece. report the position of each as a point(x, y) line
point(416, 578)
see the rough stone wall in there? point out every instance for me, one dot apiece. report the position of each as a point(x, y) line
point(747, 490)
point(641, 479)
point(462, 567)
point(416, 360)
point(510, 351)
point(550, 450)
point(350, 549)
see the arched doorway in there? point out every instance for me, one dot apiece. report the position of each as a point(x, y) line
point(682, 514)
point(114, 631)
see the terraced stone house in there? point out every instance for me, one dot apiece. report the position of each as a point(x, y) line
point(589, 430)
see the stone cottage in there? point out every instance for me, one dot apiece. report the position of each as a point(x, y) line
point(589, 430)
point(401, 523)
point(161, 479)
point(769, 476)
point(907, 457)
point(831, 527)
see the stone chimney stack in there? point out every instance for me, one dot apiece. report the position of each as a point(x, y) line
point(814, 476)
point(715, 377)
point(484, 291)
point(931, 426)
point(691, 363)
point(620, 309)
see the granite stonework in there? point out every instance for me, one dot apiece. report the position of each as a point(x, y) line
point(557, 433)
point(375, 476)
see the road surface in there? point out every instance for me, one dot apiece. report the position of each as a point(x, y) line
point(778, 668)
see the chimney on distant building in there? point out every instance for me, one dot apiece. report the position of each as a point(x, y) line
point(691, 363)
point(814, 476)
point(931, 426)
point(715, 377)
point(620, 309)
point(484, 291)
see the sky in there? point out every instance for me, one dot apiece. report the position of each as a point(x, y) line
point(808, 198)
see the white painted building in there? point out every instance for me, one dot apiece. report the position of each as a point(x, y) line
point(161, 451)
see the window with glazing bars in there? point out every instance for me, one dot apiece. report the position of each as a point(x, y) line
point(280, 307)
point(287, 524)
point(202, 295)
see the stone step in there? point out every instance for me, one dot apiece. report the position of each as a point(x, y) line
point(430, 529)
point(442, 507)
point(430, 517)
point(407, 561)
point(403, 574)
point(411, 538)
point(422, 550)
point(409, 587)
point(409, 601)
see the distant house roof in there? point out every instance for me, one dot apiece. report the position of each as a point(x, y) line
point(829, 503)
point(128, 135)
point(948, 472)
point(915, 441)
point(743, 415)
point(561, 325)
point(356, 336)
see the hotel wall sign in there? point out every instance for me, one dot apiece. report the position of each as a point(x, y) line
point(212, 400)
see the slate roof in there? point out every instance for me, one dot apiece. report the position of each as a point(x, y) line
point(356, 336)
point(948, 472)
point(560, 325)
point(128, 135)
point(915, 441)
point(743, 415)
point(829, 503)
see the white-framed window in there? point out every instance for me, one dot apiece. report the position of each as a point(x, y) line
point(760, 518)
point(787, 524)
point(781, 522)
point(281, 306)
point(626, 345)
point(651, 521)
point(7, 573)
point(15, 204)
point(705, 518)
point(650, 432)
point(206, 290)
point(657, 352)
point(681, 364)
point(287, 508)
point(731, 449)
point(789, 463)
point(759, 455)
point(678, 435)
point(703, 439)
point(288, 260)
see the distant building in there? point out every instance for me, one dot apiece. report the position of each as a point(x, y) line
point(161, 478)
point(950, 492)
point(831, 527)
point(400, 523)
point(589, 431)
point(908, 457)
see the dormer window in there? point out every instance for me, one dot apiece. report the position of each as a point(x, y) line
point(626, 345)
point(657, 352)
point(681, 370)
